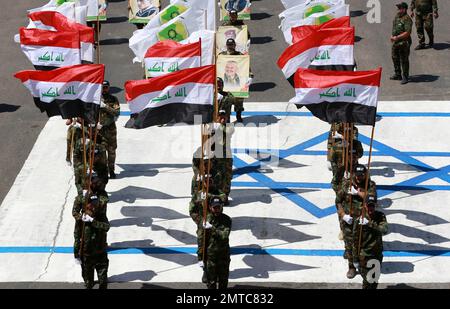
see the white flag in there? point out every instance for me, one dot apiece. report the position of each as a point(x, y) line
point(207, 37)
point(178, 29)
point(209, 6)
point(314, 19)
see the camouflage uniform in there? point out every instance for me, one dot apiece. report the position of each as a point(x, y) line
point(77, 211)
point(226, 102)
point(196, 213)
point(218, 251)
point(401, 49)
point(73, 134)
point(108, 117)
point(372, 244)
point(354, 210)
point(424, 10)
point(224, 158)
point(94, 254)
point(99, 166)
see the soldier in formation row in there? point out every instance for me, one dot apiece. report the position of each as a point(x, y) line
point(91, 152)
point(360, 224)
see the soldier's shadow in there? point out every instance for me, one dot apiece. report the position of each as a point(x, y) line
point(145, 275)
point(273, 228)
point(130, 194)
point(260, 266)
point(396, 267)
point(249, 196)
point(143, 216)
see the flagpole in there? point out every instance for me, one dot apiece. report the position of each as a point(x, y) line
point(351, 168)
point(366, 187)
point(98, 37)
point(216, 104)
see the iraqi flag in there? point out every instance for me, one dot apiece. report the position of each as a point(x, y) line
point(339, 96)
point(324, 48)
point(49, 20)
point(49, 49)
point(300, 32)
point(178, 97)
point(73, 91)
point(169, 56)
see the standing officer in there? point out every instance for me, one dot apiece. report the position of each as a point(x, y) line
point(401, 43)
point(425, 10)
point(109, 112)
point(217, 228)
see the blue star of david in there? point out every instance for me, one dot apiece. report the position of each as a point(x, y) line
point(380, 149)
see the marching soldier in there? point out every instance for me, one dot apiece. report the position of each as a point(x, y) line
point(98, 190)
point(372, 227)
point(217, 229)
point(350, 201)
point(223, 154)
point(226, 99)
point(196, 213)
point(424, 11)
point(74, 132)
point(109, 112)
point(92, 241)
point(99, 165)
point(401, 43)
point(231, 50)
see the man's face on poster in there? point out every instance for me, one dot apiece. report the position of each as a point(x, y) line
point(143, 4)
point(231, 68)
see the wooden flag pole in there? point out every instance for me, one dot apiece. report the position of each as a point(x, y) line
point(366, 188)
point(351, 168)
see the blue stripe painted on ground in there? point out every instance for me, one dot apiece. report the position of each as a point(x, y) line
point(234, 251)
point(308, 114)
point(324, 153)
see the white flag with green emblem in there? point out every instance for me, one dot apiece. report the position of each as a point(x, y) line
point(178, 29)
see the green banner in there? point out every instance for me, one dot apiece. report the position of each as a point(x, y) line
point(176, 32)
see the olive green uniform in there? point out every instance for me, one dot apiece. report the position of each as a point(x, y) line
point(401, 48)
point(424, 10)
point(372, 245)
point(218, 251)
point(108, 117)
point(354, 209)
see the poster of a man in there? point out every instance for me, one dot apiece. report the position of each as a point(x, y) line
point(235, 72)
point(241, 6)
point(238, 33)
point(141, 11)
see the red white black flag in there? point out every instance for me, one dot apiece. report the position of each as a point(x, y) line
point(169, 56)
point(324, 48)
point(73, 91)
point(173, 98)
point(49, 49)
point(339, 96)
point(49, 20)
point(300, 32)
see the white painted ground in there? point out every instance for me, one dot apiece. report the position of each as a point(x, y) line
point(149, 204)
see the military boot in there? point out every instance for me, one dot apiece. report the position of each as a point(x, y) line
point(239, 116)
point(405, 80)
point(351, 273)
point(420, 46)
point(396, 77)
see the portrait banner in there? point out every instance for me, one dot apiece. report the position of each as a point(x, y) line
point(235, 72)
point(241, 6)
point(102, 6)
point(142, 11)
point(238, 33)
